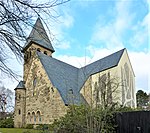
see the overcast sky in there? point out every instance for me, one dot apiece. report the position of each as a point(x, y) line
point(88, 30)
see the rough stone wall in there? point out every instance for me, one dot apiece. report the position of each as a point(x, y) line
point(29, 56)
point(19, 114)
point(43, 101)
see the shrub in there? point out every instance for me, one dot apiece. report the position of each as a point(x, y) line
point(29, 126)
point(42, 127)
point(86, 119)
point(7, 123)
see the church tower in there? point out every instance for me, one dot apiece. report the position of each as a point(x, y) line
point(38, 40)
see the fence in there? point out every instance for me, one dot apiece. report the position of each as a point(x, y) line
point(133, 122)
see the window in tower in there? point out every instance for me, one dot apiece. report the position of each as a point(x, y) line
point(38, 49)
point(26, 56)
point(45, 52)
point(19, 96)
point(19, 111)
point(34, 82)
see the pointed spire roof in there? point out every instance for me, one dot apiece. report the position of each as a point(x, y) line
point(39, 36)
point(20, 85)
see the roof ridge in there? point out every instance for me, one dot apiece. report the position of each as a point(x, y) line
point(105, 57)
point(100, 65)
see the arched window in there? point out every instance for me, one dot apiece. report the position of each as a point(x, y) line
point(19, 111)
point(34, 117)
point(45, 52)
point(39, 116)
point(38, 49)
point(29, 117)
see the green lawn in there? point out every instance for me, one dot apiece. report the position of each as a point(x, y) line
point(17, 130)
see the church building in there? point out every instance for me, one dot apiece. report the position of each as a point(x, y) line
point(49, 85)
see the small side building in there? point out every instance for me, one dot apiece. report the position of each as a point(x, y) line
point(20, 105)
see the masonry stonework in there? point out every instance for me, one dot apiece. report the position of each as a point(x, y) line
point(42, 97)
point(20, 105)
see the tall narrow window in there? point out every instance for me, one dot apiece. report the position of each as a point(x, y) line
point(39, 116)
point(34, 117)
point(29, 117)
point(34, 85)
point(34, 81)
point(19, 96)
point(19, 111)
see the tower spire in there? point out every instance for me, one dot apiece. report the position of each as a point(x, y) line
point(39, 36)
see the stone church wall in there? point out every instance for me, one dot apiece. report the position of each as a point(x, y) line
point(43, 101)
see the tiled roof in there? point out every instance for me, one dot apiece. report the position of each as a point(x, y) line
point(67, 78)
point(39, 36)
point(20, 85)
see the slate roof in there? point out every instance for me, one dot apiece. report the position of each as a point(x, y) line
point(20, 85)
point(62, 75)
point(98, 66)
point(66, 77)
point(39, 36)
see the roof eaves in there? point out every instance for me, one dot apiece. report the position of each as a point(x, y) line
point(31, 42)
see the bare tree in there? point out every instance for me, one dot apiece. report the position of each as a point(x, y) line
point(104, 102)
point(6, 98)
point(15, 17)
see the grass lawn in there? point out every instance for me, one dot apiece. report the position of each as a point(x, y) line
point(17, 130)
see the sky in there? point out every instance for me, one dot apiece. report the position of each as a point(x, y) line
point(87, 30)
